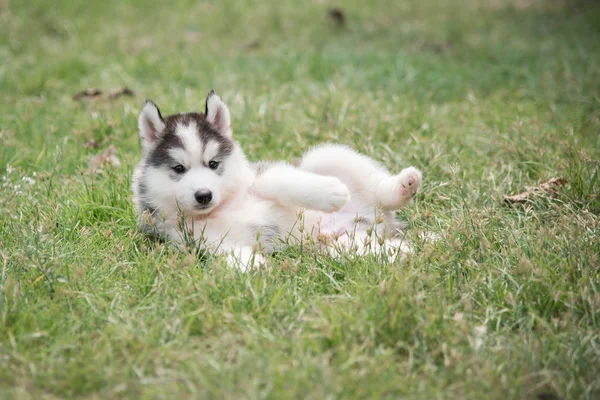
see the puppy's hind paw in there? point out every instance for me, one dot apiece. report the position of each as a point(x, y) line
point(399, 190)
point(409, 180)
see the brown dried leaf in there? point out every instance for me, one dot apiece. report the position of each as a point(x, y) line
point(91, 144)
point(107, 156)
point(546, 187)
point(434, 47)
point(253, 45)
point(88, 93)
point(114, 93)
point(337, 16)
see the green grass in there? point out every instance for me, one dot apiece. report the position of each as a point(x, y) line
point(486, 97)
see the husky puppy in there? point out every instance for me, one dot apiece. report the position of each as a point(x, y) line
point(194, 181)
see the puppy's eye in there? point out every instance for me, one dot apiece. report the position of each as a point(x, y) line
point(180, 169)
point(213, 165)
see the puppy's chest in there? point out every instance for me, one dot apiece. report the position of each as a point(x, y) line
point(245, 223)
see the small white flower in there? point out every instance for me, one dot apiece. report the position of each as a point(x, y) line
point(480, 330)
point(28, 180)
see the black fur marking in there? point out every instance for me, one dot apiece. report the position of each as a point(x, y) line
point(208, 133)
point(211, 93)
point(148, 221)
point(225, 148)
point(267, 234)
point(205, 130)
point(149, 208)
point(160, 154)
point(160, 157)
point(148, 101)
point(142, 188)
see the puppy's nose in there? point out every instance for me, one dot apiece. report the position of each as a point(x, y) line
point(203, 196)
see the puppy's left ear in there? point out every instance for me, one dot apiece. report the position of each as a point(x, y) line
point(150, 124)
point(217, 114)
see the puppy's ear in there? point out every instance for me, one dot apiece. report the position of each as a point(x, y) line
point(217, 114)
point(151, 124)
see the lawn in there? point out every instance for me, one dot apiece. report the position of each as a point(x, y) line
point(488, 98)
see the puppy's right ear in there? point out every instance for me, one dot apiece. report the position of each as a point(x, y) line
point(151, 124)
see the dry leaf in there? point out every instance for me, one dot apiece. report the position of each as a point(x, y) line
point(546, 187)
point(94, 93)
point(88, 93)
point(91, 144)
point(253, 45)
point(434, 47)
point(109, 155)
point(114, 93)
point(337, 16)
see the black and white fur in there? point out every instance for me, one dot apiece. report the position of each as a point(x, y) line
point(195, 179)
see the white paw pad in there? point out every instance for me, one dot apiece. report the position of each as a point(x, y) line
point(409, 182)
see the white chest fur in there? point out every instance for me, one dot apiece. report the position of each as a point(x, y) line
point(247, 221)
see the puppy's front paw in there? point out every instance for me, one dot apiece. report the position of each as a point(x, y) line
point(332, 195)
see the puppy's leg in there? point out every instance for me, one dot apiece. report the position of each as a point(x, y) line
point(363, 175)
point(399, 190)
point(292, 187)
point(361, 243)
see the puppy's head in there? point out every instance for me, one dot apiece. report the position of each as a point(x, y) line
point(190, 160)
